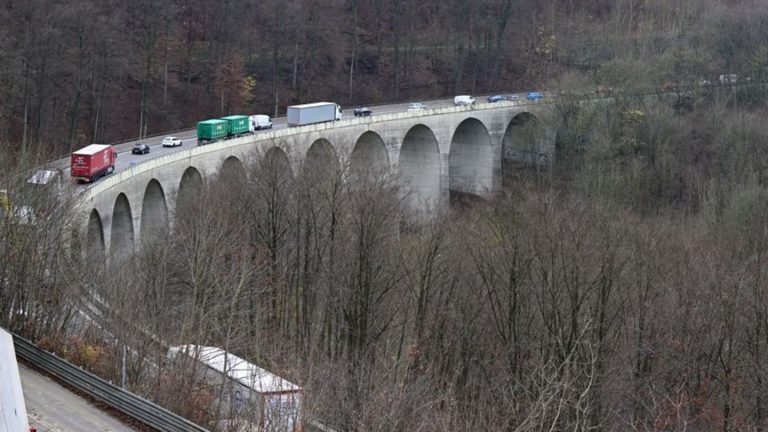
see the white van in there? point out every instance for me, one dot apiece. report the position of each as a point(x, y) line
point(463, 100)
point(259, 122)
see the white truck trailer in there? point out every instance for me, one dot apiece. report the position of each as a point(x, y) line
point(318, 112)
point(13, 410)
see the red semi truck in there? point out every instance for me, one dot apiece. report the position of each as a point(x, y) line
point(90, 163)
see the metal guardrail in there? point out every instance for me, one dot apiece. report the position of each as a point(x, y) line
point(315, 426)
point(128, 403)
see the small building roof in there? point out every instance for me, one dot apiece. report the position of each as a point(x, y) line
point(42, 177)
point(92, 149)
point(236, 368)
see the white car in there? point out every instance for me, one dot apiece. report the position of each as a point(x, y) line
point(171, 141)
point(417, 106)
point(463, 100)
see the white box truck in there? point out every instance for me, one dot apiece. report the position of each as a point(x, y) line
point(318, 112)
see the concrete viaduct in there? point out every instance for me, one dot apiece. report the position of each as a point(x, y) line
point(432, 152)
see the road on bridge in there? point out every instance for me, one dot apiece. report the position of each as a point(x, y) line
point(52, 408)
point(189, 138)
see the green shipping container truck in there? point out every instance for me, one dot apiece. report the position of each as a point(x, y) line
point(211, 130)
point(236, 124)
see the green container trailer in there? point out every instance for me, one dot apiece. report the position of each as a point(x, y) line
point(236, 124)
point(211, 130)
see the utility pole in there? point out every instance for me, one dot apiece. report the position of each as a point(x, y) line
point(122, 381)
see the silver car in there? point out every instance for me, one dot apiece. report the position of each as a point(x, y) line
point(171, 141)
point(417, 106)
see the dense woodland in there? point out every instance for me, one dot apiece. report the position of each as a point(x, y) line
point(84, 71)
point(622, 288)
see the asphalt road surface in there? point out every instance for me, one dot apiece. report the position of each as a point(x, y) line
point(52, 408)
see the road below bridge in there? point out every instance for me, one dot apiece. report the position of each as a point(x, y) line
point(52, 408)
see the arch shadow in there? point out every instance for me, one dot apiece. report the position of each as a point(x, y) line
point(154, 212)
point(369, 156)
point(521, 145)
point(471, 159)
point(122, 236)
point(232, 170)
point(419, 169)
point(94, 238)
point(190, 190)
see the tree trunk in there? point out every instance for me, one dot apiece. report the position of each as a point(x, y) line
point(354, 52)
point(78, 90)
point(144, 104)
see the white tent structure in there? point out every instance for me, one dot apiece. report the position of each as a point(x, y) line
point(250, 398)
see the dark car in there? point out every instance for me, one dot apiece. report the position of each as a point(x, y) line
point(140, 149)
point(497, 98)
point(362, 112)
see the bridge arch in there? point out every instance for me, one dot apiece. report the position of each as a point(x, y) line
point(521, 144)
point(121, 235)
point(154, 212)
point(471, 159)
point(420, 168)
point(369, 154)
point(321, 162)
point(272, 182)
point(190, 189)
point(232, 168)
point(94, 238)
point(276, 161)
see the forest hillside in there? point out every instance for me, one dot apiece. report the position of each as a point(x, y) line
point(84, 71)
point(622, 288)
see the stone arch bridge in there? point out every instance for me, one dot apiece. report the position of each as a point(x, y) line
point(433, 153)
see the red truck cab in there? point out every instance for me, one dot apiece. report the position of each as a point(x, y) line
point(92, 162)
